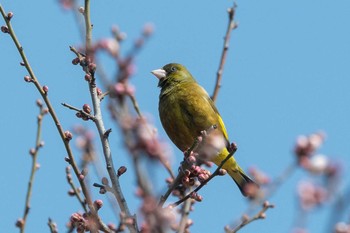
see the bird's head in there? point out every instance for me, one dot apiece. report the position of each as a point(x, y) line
point(171, 74)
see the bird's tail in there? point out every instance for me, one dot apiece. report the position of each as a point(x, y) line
point(241, 179)
point(236, 172)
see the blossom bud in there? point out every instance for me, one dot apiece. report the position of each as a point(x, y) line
point(45, 89)
point(92, 68)
point(68, 135)
point(148, 29)
point(20, 223)
point(9, 15)
point(28, 79)
point(88, 77)
point(5, 29)
point(121, 170)
point(87, 108)
point(81, 10)
point(75, 61)
point(98, 204)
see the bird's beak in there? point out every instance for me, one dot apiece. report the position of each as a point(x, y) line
point(159, 73)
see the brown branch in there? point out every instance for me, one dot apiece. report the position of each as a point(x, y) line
point(52, 225)
point(75, 189)
point(231, 26)
point(34, 154)
point(246, 220)
point(44, 94)
point(185, 211)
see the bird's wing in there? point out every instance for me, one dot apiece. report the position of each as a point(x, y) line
point(201, 106)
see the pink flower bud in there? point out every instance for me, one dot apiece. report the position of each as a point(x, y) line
point(121, 170)
point(9, 15)
point(99, 91)
point(45, 89)
point(79, 115)
point(88, 77)
point(68, 135)
point(191, 159)
point(5, 29)
point(104, 181)
point(76, 61)
point(202, 178)
point(102, 191)
point(71, 193)
point(87, 108)
point(20, 223)
point(28, 79)
point(148, 29)
point(81, 10)
point(222, 172)
point(98, 204)
point(32, 151)
point(39, 103)
point(92, 68)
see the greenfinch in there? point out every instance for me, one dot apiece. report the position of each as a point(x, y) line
point(186, 110)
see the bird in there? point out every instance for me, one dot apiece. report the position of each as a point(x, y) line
point(186, 110)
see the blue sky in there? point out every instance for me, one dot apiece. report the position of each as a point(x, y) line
point(286, 74)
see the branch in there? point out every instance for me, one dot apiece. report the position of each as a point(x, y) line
point(246, 220)
point(117, 191)
point(231, 26)
point(43, 90)
point(52, 225)
point(34, 154)
point(185, 211)
point(74, 189)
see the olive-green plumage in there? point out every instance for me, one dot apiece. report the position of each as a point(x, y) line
point(185, 109)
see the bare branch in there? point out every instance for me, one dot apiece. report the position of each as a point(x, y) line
point(231, 26)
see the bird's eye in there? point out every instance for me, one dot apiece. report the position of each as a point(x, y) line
point(173, 68)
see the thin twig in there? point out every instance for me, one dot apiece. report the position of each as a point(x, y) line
point(185, 211)
point(52, 225)
point(34, 168)
point(75, 189)
point(82, 112)
point(246, 220)
point(231, 26)
point(52, 112)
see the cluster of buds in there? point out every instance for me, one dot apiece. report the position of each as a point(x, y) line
point(259, 176)
point(311, 195)
point(146, 140)
point(110, 45)
point(147, 31)
point(80, 222)
point(318, 164)
point(122, 89)
point(342, 227)
point(195, 172)
point(85, 115)
point(306, 146)
point(156, 217)
point(88, 66)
